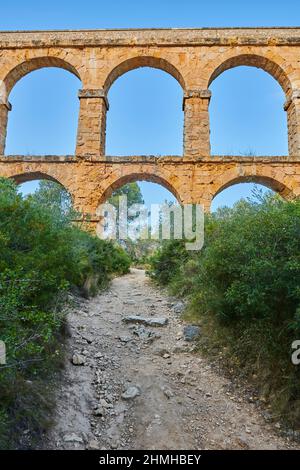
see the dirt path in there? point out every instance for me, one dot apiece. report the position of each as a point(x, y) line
point(180, 402)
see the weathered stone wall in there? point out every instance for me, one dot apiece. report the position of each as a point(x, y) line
point(92, 123)
point(91, 182)
point(194, 57)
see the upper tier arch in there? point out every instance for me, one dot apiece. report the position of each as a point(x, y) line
point(254, 60)
point(25, 67)
point(142, 61)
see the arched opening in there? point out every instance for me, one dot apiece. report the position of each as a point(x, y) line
point(47, 191)
point(31, 177)
point(157, 188)
point(235, 193)
point(253, 60)
point(145, 114)
point(44, 114)
point(142, 61)
point(30, 65)
point(248, 187)
point(247, 114)
point(142, 223)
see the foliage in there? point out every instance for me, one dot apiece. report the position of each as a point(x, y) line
point(131, 190)
point(133, 194)
point(165, 263)
point(56, 197)
point(141, 250)
point(137, 249)
point(97, 260)
point(250, 267)
point(42, 256)
point(142, 247)
point(244, 287)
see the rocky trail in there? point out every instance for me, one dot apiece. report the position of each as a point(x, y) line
point(131, 381)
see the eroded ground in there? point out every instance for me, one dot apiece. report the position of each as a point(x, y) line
point(172, 398)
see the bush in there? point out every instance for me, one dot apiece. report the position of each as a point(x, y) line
point(96, 261)
point(250, 266)
point(42, 256)
point(165, 263)
point(244, 287)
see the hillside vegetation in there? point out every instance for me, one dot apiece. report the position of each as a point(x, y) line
point(244, 289)
point(43, 256)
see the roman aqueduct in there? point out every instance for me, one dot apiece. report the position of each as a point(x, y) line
point(194, 57)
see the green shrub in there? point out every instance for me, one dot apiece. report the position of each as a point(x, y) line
point(42, 256)
point(96, 261)
point(165, 263)
point(244, 287)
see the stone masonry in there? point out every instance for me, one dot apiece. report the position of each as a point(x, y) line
point(194, 57)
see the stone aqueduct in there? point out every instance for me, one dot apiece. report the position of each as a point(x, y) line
point(194, 57)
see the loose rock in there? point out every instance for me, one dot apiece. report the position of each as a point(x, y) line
point(131, 392)
point(93, 445)
point(78, 360)
point(156, 321)
point(178, 308)
point(125, 339)
point(191, 332)
point(73, 438)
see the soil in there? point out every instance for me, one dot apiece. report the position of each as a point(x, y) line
point(174, 398)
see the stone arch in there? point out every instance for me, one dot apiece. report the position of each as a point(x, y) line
point(254, 60)
point(275, 68)
point(27, 66)
point(142, 61)
point(15, 74)
point(25, 177)
point(33, 175)
point(120, 181)
point(231, 178)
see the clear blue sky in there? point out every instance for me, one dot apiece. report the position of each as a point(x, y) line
point(67, 14)
point(145, 114)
